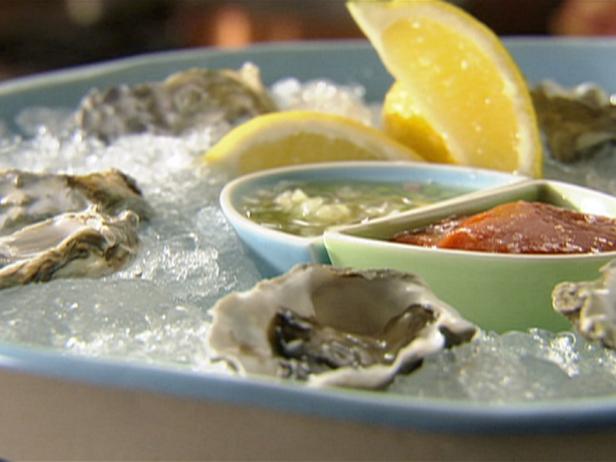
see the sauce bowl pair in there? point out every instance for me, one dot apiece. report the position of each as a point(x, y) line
point(276, 252)
point(498, 292)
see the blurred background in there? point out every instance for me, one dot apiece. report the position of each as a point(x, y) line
point(39, 35)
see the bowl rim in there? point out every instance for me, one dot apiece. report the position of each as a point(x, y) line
point(347, 233)
point(228, 193)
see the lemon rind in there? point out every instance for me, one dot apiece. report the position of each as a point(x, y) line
point(373, 17)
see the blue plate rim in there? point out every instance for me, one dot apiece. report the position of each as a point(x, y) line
point(121, 63)
point(368, 407)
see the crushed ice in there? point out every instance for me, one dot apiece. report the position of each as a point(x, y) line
point(516, 367)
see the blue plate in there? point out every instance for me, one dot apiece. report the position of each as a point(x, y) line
point(568, 61)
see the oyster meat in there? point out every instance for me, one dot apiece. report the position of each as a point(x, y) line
point(590, 305)
point(185, 100)
point(56, 225)
point(27, 197)
point(334, 326)
point(577, 123)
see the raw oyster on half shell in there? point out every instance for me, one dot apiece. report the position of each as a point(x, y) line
point(334, 326)
point(590, 305)
point(58, 225)
point(577, 123)
point(82, 244)
point(185, 100)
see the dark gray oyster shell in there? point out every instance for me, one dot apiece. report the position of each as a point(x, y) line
point(184, 101)
point(27, 197)
point(577, 123)
point(334, 326)
point(82, 244)
point(590, 305)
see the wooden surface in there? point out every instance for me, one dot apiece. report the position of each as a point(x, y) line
point(48, 419)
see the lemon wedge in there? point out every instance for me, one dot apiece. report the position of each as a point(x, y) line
point(459, 97)
point(300, 137)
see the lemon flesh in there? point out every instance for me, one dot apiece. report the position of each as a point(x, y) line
point(300, 137)
point(459, 96)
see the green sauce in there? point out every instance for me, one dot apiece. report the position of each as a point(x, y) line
point(308, 208)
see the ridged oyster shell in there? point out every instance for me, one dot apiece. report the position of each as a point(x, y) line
point(577, 123)
point(57, 225)
point(27, 197)
point(590, 305)
point(334, 326)
point(185, 100)
point(82, 244)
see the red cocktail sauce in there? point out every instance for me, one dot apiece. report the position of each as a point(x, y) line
point(519, 227)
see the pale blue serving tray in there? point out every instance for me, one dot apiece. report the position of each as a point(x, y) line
point(567, 61)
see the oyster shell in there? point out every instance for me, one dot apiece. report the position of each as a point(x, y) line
point(590, 305)
point(83, 244)
point(56, 225)
point(334, 326)
point(27, 197)
point(577, 123)
point(185, 100)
